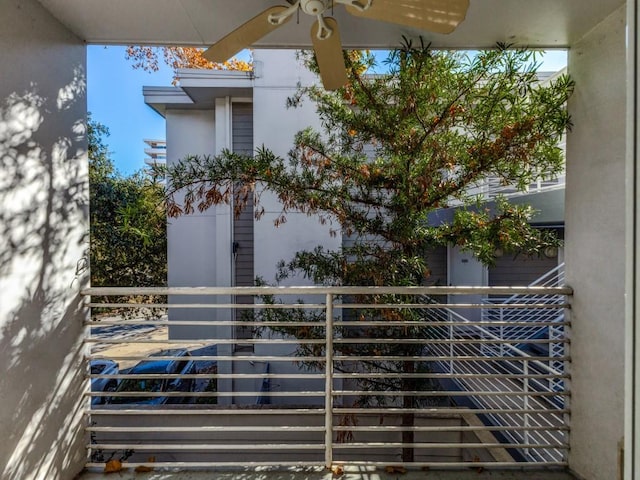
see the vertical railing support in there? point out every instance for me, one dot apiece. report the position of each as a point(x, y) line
point(525, 406)
point(501, 319)
point(328, 393)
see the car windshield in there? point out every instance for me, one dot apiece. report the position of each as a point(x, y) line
point(96, 369)
point(138, 385)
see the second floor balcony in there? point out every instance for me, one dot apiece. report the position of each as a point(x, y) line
point(329, 377)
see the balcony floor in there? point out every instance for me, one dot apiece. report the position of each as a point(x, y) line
point(350, 474)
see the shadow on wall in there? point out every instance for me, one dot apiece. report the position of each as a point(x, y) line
point(43, 237)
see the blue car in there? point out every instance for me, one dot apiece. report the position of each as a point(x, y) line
point(184, 366)
point(101, 366)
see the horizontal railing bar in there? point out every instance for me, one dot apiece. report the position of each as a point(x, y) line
point(205, 446)
point(204, 428)
point(258, 428)
point(212, 375)
point(244, 393)
point(424, 445)
point(317, 393)
point(348, 306)
point(207, 411)
point(237, 306)
point(320, 464)
point(445, 323)
point(453, 375)
point(200, 465)
point(220, 341)
point(451, 393)
point(341, 358)
point(321, 290)
point(203, 358)
point(453, 411)
point(203, 323)
point(443, 358)
point(442, 341)
point(447, 428)
point(312, 446)
point(319, 411)
point(318, 324)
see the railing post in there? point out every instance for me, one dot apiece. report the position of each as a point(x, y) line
point(328, 393)
point(525, 406)
point(451, 348)
point(501, 319)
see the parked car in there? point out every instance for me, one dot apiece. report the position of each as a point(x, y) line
point(184, 366)
point(103, 367)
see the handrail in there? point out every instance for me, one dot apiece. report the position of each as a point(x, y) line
point(324, 290)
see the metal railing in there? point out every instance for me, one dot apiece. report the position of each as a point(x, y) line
point(491, 188)
point(338, 375)
point(530, 323)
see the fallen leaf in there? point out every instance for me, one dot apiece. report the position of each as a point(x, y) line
point(113, 466)
point(145, 468)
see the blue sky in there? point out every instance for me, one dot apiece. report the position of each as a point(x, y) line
point(114, 91)
point(115, 100)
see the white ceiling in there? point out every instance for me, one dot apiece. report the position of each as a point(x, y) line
point(535, 23)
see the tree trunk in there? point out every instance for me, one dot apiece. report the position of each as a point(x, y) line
point(408, 418)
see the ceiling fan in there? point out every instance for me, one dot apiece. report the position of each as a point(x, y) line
point(440, 16)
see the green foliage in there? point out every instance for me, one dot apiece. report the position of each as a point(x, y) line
point(394, 149)
point(128, 222)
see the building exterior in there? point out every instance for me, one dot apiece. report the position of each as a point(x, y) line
point(43, 95)
point(239, 111)
point(156, 152)
point(214, 110)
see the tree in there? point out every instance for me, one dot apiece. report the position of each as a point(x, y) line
point(127, 221)
point(439, 123)
point(148, 58)
point(394, 149)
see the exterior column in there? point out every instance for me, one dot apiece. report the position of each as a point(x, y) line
point(596, 263)
point(632, 288)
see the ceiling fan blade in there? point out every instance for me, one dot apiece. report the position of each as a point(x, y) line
point(244, 36)
point(440, 16)
point(329, 55)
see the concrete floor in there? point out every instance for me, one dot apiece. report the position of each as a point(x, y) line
point(352, 473)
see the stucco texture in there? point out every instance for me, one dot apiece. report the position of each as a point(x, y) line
point(43, 228)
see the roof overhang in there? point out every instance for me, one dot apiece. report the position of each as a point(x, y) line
point(534, 23)
point(199, 89)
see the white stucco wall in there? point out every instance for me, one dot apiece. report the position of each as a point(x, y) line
point(43, 244)
point(595, 249)
point(199, 244)
point(192, 132)
point(275, 127)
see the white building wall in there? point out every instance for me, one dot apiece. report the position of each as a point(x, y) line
point(595, 249)
point(279, 74)
point(275, 127)
point(465, 270)
point(199, 245)
point(43, 244)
